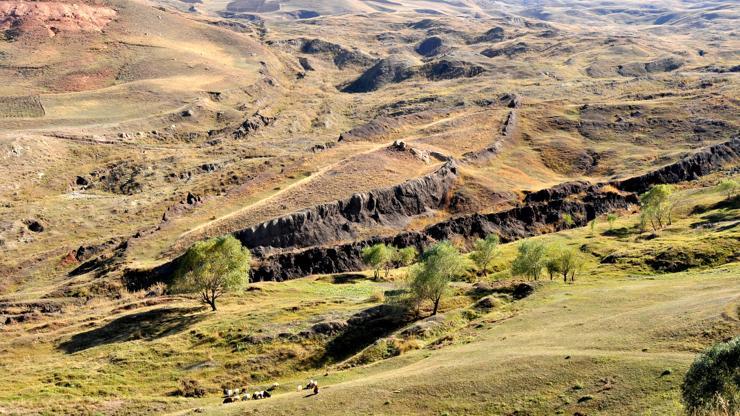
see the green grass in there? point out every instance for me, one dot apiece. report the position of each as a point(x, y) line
point(598, 346)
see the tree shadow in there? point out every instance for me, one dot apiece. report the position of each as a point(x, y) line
point(727, 203)
point(364, 328)
point(621, 232)
point(149, 325)
point(343, 278)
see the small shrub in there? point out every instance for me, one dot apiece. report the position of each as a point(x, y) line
point(377, 297)
point(190, 388)
point(157, 289)
point(712, 384)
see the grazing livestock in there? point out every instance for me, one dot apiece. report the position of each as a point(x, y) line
point(311, 384)
point(273, 387)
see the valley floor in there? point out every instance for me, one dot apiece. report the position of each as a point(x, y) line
point(599, 347)
point(616, 342)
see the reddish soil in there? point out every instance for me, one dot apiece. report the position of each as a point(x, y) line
point(53, 17)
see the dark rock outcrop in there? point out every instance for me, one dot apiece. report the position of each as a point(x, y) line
point(430, 46)
point(495, 34)
point(637, 69)
point(522, 290)
point(393, 69)
point(341, 56)
point(305, 64)
point(510, 225)
point(123, 177)
point(252, 124)
point(689, 168)
point(336, 220)
point(541, 212)
point(103, 263)
point(508, 51)
point(446, 69)
point(34, 225)
point(321, 260)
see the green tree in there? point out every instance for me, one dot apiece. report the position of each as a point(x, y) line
point(485, 252)
point(656, 206)
point(712, 384)
point(552, 266)
point(611, 218)
point(569, 262)
point(212, 268)
point(728, 187)
point(439, 265)
point(378, 257)
point(391, 260)
point(406, 256)
point(530, 259)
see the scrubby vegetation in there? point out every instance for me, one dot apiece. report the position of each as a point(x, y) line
point(613, 334)
point(712, 384)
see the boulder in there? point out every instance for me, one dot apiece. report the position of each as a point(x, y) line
point(329, 327)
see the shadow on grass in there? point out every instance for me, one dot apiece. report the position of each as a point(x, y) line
point(727, 203)
point(621, 232)
point(347, 278)
point(364, 328)
point(147, 325)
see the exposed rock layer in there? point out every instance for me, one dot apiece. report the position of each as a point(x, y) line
point(337, 220)
point(691, 167)
point(541, 212)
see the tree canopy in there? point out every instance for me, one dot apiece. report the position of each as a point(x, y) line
point(656, 206)
point(728, 187)
point(212, 268)
point(384, 257)
point(485, 252)
point(530, 259)
point(565, 261)
point(378, 256)
point(439, 265)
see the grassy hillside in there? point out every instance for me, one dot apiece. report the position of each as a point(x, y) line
point(598, 346)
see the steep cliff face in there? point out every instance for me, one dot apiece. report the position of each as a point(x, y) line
point(323, 260)
point(541, 212)
point(338, 220)
point(689, 168)
point(514, 224)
